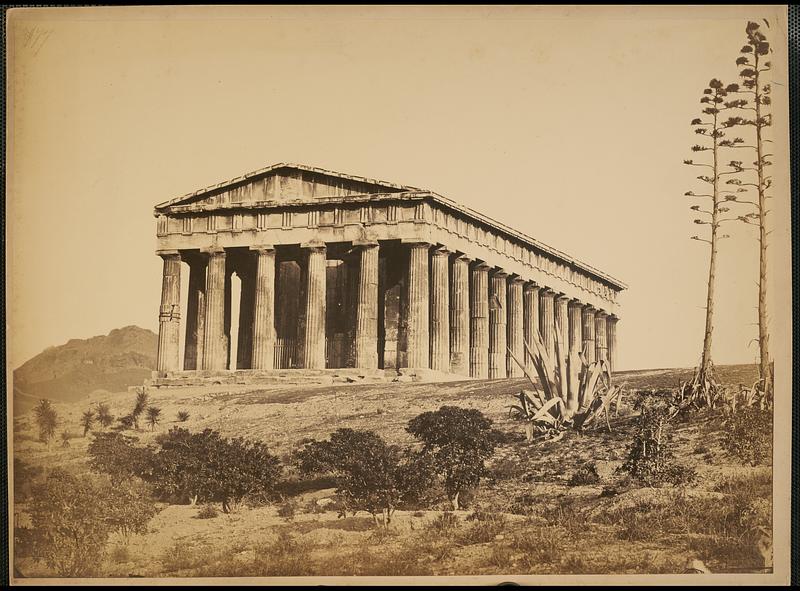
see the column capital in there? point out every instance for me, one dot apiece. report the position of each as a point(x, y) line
point(213, 251)
point(575, 302)
point(460, 256)
point(263, 248)
point(547, 292)
point(589, 309)
point(416, 242)
point(314, 246)
point(481, 266)
point(562, 297)
point(531, 286)
point(440, 251)
point(516, 279)
point(601, 313)
point(365, 243)
point(613, 317)
point(500, 273)
point(165, 254)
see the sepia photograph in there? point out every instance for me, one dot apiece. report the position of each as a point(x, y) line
point(379, 295)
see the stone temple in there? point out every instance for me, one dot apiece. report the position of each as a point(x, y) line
point(354, 276)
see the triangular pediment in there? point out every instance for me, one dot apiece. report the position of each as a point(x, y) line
point(288, 182)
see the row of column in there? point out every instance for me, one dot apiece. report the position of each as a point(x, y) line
point(461, 316)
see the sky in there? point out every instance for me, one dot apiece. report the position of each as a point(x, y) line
point(568, 124)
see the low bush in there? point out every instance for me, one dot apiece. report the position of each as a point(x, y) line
point(747, 435)
point(585, 475)
point(287, 510)
point(183, 416)
point(207, 512)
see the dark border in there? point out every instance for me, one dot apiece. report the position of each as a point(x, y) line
point(794, 149)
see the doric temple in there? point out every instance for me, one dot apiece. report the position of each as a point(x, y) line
point(339, 271)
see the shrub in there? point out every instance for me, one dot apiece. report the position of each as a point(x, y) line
point(87, 421)
point(139, 407)
point(650, 459)
point(25, 476)
point(104, 416)
point(46, 420)
point(458, 442)
point(117, 455)
point(585, 475)
point(206, 467)
point(153, 416)
point(183, 416)
point(207, 512)
point(748, 435)
point(72, 518)
point(65, 437)
point(371, 475)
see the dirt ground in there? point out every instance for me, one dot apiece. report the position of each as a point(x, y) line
point(526, 518)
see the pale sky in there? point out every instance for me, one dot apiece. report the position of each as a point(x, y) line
point(569, 125)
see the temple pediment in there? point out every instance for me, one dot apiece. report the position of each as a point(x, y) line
point(284, 182)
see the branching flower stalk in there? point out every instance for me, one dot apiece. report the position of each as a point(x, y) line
point(752, 74)
point(703, 386)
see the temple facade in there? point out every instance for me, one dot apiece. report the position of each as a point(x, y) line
point(339, 271)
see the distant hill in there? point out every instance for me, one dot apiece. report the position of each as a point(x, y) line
point(125, 357)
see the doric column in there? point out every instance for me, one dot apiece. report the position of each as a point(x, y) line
point(562, 322)
point(214, 340)
point(601, 346)
point(195, 314)
point(588, 333)
point(169, 316)
point(440, 310)
point(530, 294)
point(575, 326)
point(498, 335)
point(611, 337)
point(459, 316)
point(366, 321)
point(264, 309)
point(479, 322)
point(418, 342)
point(547, 320)
point(314, 319)
point(244, 349)
point(516, 326)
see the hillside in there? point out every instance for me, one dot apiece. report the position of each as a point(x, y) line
point(535, 517)
point(113, 362)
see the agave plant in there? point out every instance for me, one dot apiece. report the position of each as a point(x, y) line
point(570, 392)
point(703, 390)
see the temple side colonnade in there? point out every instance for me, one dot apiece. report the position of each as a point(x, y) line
point(338, 271)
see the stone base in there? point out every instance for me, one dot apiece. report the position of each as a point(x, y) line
point(347, 375)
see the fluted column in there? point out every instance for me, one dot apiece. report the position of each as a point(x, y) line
point(459, 316)
point(440, 310)
point(575, 326)
point(530, 294)
point(516, 326)
point(214, 339)
point(547, 320)
point(195, 314)
point(588, 333)
point(498, 335)
point(169, 316)
point(314, 318)
point(264, 309)
point(600, 328)
point(366, 328)
point(562, 322)
point(611, 332)
point(479, 322)
point(418, 342)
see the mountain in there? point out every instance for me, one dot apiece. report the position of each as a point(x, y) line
point(113, 362)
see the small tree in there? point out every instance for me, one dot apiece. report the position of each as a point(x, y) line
point(153, 416)
point(87, 421)
point(46, 420)
point(371, 475)
point(459, 440)
point(118, 456)
point(139, 407)
point(104, 416)
point(204, 466)
point(72, 518)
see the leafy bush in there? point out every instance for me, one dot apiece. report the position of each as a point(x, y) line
point(748, 435)
point(104, 416)
point(183, 416)
point(72, 518)
point(118, 456)
point(371, 475)
point(207, 467)
point(458, 442)
point(586, 474)
point(207, 512)
point(650, 459)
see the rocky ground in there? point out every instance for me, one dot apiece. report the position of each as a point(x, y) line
point(531, 516)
